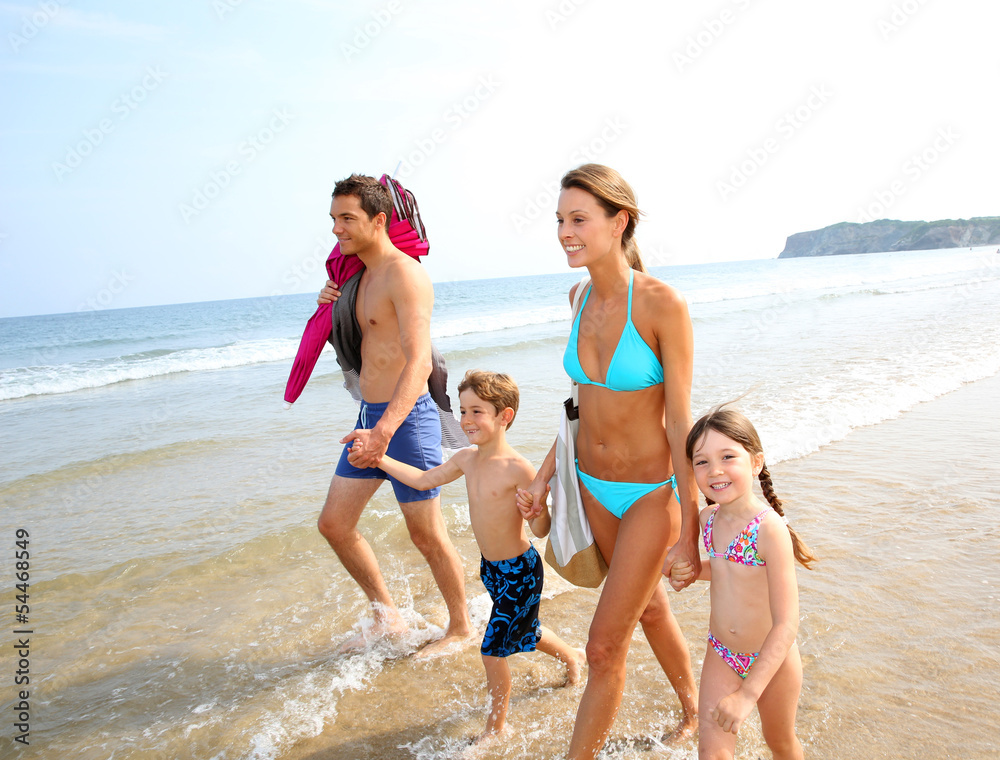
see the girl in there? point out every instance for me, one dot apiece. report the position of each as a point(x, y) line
point(751, 657)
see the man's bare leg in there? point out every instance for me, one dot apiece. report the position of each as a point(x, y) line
point(429, 534)
point(338, 523)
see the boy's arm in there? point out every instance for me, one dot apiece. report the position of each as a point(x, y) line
point(423, 480)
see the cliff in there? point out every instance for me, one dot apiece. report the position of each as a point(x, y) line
point(890, 235)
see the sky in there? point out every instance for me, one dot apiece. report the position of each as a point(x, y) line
point(155, 153)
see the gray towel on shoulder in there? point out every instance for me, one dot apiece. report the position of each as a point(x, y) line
point(346, 341)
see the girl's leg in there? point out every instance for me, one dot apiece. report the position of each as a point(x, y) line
point(634, 572)
point(573, 659)
point(718, 680)
point(498, 684)
point(668, 644)
point(777, 707)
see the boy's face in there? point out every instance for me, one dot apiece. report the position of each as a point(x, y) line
point(480, 421)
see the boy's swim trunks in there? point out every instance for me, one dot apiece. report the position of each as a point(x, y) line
point(515, 586)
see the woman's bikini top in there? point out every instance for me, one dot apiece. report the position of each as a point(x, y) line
point(743, 549)
point(633, 366)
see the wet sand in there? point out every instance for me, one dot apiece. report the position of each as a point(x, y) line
point(899, 631)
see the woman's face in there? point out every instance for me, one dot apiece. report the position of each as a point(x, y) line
point(585, 231)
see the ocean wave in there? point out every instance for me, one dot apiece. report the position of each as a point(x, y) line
point(21, 382)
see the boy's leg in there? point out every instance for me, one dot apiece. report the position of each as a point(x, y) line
point(777, 707)
point(498, 684)
point(554, 646)
point(429, 534)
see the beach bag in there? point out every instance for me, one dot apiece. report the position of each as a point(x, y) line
point(571, 549)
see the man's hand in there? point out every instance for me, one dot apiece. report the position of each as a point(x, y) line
point(367, 447)
point(329, 294)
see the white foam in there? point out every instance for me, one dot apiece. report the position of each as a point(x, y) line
point(46, 380)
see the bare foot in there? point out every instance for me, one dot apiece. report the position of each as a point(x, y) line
point(448, 644)
point(683, 731)
point(483, 743)
point(574, 668)
point(390, 627)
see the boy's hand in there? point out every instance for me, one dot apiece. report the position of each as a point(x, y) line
point(526, 504)
point(365, 451)
point(329, 293)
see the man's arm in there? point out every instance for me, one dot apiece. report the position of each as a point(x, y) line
point(412, 297)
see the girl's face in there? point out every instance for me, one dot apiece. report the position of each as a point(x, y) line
point(724, 470)
point(585, 231)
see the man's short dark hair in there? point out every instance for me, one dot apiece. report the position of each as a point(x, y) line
point(373, 196)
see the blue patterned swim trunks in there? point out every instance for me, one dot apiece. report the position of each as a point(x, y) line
point(515, 586)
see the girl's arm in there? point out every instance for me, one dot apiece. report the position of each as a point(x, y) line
point(775, 546)
point(424, 480)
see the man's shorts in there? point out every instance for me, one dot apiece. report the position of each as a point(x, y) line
point(417, 442)
point(515, 586)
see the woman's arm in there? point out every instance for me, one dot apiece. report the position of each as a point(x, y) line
point(676, 343)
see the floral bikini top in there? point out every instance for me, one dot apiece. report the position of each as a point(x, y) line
point(743, 549)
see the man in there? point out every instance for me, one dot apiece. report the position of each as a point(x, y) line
point(394, 303)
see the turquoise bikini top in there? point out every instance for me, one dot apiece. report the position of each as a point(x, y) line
point(633, 366)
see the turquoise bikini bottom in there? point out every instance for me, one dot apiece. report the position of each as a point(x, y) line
point(617, 497)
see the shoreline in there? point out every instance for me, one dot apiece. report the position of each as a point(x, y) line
point(855, 681)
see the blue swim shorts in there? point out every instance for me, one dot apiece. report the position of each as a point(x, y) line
point(515, 586)
point(417, 442)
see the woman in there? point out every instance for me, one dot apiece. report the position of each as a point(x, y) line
point(630, 350)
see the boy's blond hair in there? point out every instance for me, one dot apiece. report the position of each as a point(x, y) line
point(494, 388)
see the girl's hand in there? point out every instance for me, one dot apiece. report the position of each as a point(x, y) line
point(732, 711)
point(679, 572)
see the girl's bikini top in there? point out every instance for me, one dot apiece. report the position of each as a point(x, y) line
point(743, 549)
point(633, 366)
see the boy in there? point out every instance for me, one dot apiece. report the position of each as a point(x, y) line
point(511, 568)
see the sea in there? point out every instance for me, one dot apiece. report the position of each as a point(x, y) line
point(177, 601)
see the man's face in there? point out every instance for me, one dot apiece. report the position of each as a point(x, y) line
point(354, 230)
